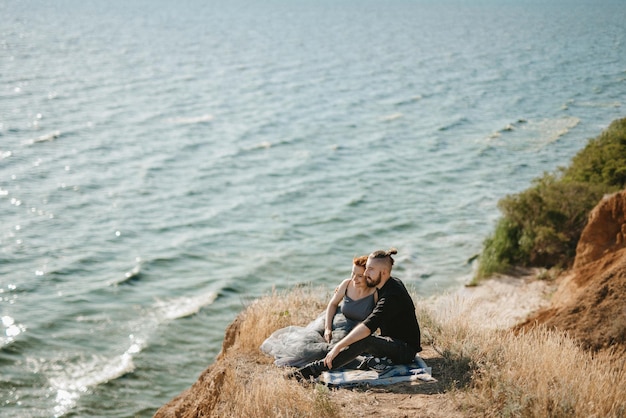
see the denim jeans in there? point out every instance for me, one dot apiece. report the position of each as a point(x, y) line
point(397, 351)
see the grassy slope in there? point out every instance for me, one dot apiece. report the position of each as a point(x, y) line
point(481, 371)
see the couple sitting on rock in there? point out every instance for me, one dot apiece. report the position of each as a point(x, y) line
point(372, 300)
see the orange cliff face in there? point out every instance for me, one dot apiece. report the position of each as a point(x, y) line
point(605, 232)
point(589, 303)
point(201, 399)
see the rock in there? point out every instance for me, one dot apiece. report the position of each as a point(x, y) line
point(201, 398)
point(605, 231)
point(589, 302)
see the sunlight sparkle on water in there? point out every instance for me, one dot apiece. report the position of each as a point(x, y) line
point(12, 329)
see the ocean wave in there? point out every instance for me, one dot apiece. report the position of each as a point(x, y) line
point(391, 117)
point(190, 120)
point(130, 276)
point(601, 105)
point(458, 122)
point(409, 101)
point(133, 274)
point(508, 128)
point(71, 381)
point(356, 201)
point(552, 129)
point(263, 145)
point(51, 136)
point(184, 306)
point(542, 132)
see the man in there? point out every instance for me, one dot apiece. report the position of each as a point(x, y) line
point(394, 315)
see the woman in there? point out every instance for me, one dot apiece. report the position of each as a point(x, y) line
point(297, 346)
point(358, 299)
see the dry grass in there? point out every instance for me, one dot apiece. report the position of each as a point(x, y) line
point(264, 392)
point(491, 372)
point(537, 374)
point(250, 387)
point(544, 374)
point(265, 315)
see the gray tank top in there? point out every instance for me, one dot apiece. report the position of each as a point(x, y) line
point(357, 310)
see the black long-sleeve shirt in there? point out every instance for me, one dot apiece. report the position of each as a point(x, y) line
point(394, 314)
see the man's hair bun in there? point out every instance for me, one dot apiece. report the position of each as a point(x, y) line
point(391, 251)
point(385, 254)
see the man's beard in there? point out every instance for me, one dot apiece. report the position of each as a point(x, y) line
point(373, 283)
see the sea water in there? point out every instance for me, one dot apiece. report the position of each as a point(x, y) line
point(162, 163)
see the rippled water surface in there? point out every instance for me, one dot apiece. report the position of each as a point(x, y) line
point(163, 162)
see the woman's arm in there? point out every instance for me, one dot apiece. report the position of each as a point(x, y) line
point(331, 309)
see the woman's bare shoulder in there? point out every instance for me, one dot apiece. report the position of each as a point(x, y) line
point(344, 284)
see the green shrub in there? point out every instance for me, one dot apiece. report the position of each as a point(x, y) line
point(603, 160)
point(541, 226)
point(498, 250)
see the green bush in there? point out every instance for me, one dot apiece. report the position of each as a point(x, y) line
point(540, 226)
point(603, 160)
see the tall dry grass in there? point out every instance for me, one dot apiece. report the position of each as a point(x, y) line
point(254, 392)
point(537, 374)
point(277, 310)
point(540, 373)
point(250, 387)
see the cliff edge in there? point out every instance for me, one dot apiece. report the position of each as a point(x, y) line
point(589, 302)
point(480, 372)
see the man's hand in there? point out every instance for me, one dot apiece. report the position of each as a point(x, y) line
point(358, 333)
point(328, 360)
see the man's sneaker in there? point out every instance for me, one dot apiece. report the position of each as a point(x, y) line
point(379, 364)
point(311, 370)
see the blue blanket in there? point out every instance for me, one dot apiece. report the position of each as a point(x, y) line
point(378, 376)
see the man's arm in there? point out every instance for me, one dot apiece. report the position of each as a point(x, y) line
point(357, 334)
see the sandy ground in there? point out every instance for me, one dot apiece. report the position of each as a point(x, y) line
point(497, 303)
